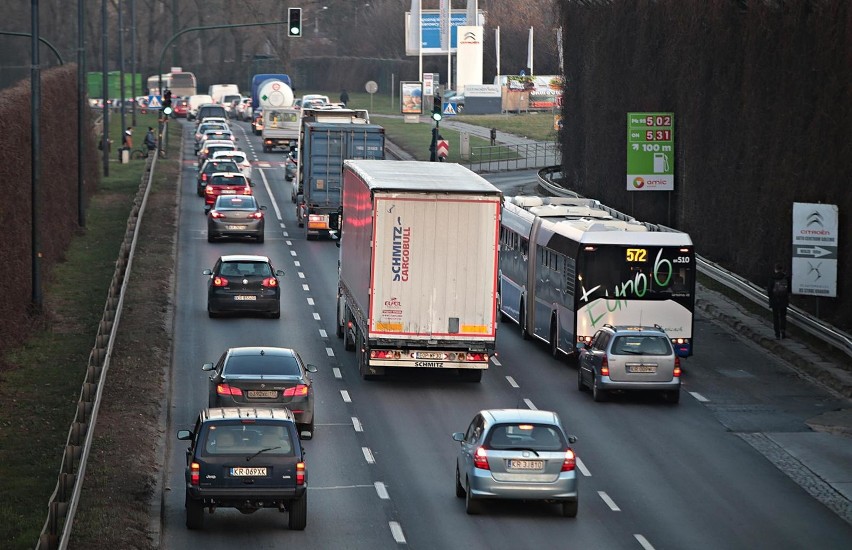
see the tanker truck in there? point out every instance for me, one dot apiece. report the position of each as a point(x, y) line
point(280, 117)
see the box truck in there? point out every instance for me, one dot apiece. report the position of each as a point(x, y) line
point(417, 283)
point(328, 137)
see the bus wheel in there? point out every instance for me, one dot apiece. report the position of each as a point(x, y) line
point(522, 322)
point(554, 340)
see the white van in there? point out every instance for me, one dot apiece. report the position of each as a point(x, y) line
point(196, 101)
point(219, 91)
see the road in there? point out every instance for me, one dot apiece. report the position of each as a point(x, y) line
point(381, 462)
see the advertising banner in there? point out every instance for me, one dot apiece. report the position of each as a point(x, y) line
point(542, 91)
point(411, 98)
point(815, 242)
point(469, 65)
point(430, 29)
point(650, 151)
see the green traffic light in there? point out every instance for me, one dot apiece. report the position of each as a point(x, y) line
point(294, 31)
point(167, 111)
point(437, 116)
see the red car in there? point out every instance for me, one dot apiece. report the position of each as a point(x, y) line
point(181, 108)
point(224, 183)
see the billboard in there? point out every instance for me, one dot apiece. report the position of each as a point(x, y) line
point(430, 30)
point(650, 151)
point(469, 66)
point(815, 242)
point(411, 98)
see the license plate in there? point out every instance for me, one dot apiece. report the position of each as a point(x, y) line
point(245, 298)
point(229, 191)
point(235, 227)
point(642, 368)
point(262, 393)
point(429, 355)
point(247, 472)
point(526, 464)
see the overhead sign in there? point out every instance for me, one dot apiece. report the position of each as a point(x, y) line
point(815, 242)
point(650, 151)
point(430, 31)
point(443, 148)
point(154, 102)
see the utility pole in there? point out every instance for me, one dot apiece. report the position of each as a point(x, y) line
point(133, 57)
point(35, 76)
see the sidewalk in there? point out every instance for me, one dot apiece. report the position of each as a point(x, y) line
point(819, 461)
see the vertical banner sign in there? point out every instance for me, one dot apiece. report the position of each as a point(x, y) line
point(469, 56)
point(444, 15)
point(411, 96)
point(815, 236)
point(428, 86)
point(650, 151)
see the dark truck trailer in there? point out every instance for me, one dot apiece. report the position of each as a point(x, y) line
point(323, 148)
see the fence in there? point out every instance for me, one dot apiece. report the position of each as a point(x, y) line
point(513, 157)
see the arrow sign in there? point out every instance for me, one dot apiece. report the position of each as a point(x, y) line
point(814, 252)
point(443, 148)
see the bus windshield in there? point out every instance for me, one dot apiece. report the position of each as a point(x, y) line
point(636, 272)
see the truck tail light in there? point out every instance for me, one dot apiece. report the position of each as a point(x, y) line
point(296, 391)
point(300, 473)
point(477, 357)
point(194, 473)
point(569, 462)
point(480, 459)
point(385, 354)
point(317, 221)
point(225, 389)
point(220, 281)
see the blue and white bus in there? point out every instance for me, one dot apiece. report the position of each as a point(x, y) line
point(568, 266)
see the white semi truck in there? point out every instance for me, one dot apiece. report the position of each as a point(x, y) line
point(418, 267)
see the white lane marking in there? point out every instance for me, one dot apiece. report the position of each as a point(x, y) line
point(336, 372)
point(289, 243)
point(323, 333)
point(357, 424)
point(292, 252)
point(368, 455)
point(329, 352)
point(530, 404)
point(382, 490)
point(301, 274)
point(698, 396)
point(286, 234)
point(297, 263)
point(644, 542)
point(282, 226)
point(271, 196)
point(512, 382)
point(609, 501)
point(310, 301)
point(345, 395)
point(396, 531)
point(495, 361)
point(582, 467)
point(305, 288)
point(316, 316)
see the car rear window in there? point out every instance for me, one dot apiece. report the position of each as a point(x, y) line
point(235, 202)
point(234, 437)
point(537, 437)
point(641, 345)
point(280, 365)
point(225, 180)
point(222, 166)
point(243, 269)
point(205, 112)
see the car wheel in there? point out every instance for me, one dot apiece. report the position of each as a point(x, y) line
point(569, 508)
point(299, 513)
point(210, 238)
point(471, 506)
point(260, 238)
point(459, 489)
point(199, 192)
point(673, 396)
point(598, 394)
point(580, 384)
point(194, 513)
point(275, 314)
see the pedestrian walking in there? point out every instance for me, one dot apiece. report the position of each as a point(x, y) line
point(778, 291)
point(344, 97)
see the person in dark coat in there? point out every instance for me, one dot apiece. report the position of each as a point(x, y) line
point(344, 97)
point(778, 291)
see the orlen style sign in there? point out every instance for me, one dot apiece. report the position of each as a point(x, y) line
point(815, 236)
point(650, 151)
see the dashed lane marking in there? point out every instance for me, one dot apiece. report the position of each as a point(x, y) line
point(582, 467)
point(382, 490)
point(644, 542)
point(336, 372)
point(530, 405)
point(345, 395)
point(396, 531)
point(329, 352)
point(512, 382)
point(323, 333)
point(698, 396)
point(316, 316)
point(357, 424)
point(368, 455)
point(609, 502)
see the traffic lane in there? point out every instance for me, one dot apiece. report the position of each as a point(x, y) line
point(198, 340)
point(515, 182)
point(655, 456)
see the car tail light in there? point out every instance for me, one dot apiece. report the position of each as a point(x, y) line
point(225, 389)
point(203, 177)
point(208, 190)
point(194, 473)
point(220, 281)
point(270, 282)
point(480, 459)
point(246, 190)
point(677, 367)
point(256, 215)
point(300, 473)
point(569, 462)
point(216, 214)
point(605, 366)
point(296, 391)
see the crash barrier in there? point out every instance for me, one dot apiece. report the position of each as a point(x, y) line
point(66, 496)
point(757, 294)
point(513, 157)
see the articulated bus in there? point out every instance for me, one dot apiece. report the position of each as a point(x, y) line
point(181, 84)
point(568, 266)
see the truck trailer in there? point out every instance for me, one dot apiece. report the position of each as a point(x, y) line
point(417, 283)
point(327, 138)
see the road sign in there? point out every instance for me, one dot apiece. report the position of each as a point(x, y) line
point(443, 148)
point(815, 236)
point(650, 151)
point(449, 108)
point(154, 102)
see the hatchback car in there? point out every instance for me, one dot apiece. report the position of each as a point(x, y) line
point(239, 157)
point(235, 216)
point(212, 166)
point(257, 122)
point(211, 146)
point(243, 284)
point(225, 183)
point(629, 358)
point(181, 108)
point(211, 110)
point(246, 459)
point(202, 128)
point(264, 377)
point(516, 454)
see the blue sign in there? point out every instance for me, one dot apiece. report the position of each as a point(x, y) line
point(431, 29)
point(154, 102)
point(450, 108)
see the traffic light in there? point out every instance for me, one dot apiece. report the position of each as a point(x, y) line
point(167, 102)
point(294, 27)
point(436, 109)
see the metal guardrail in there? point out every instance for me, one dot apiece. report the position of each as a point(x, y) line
point(797, 316)
point(66, 496)
point(512, 157)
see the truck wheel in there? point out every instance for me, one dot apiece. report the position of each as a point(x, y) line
point(339, 323)
point(554, 340)
point(522, 322)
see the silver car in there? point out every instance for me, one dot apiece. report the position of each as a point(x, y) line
point(629, 358)
point(516, 454)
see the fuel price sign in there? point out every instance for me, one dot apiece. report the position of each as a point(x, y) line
point(650, 151)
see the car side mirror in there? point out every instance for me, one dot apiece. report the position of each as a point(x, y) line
point(184, 435)
point(572, 439)
point(207, 272)
point(207, 366)
point(263, 207)
point(311, 368)
point(279, 272)
point(458, 436)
